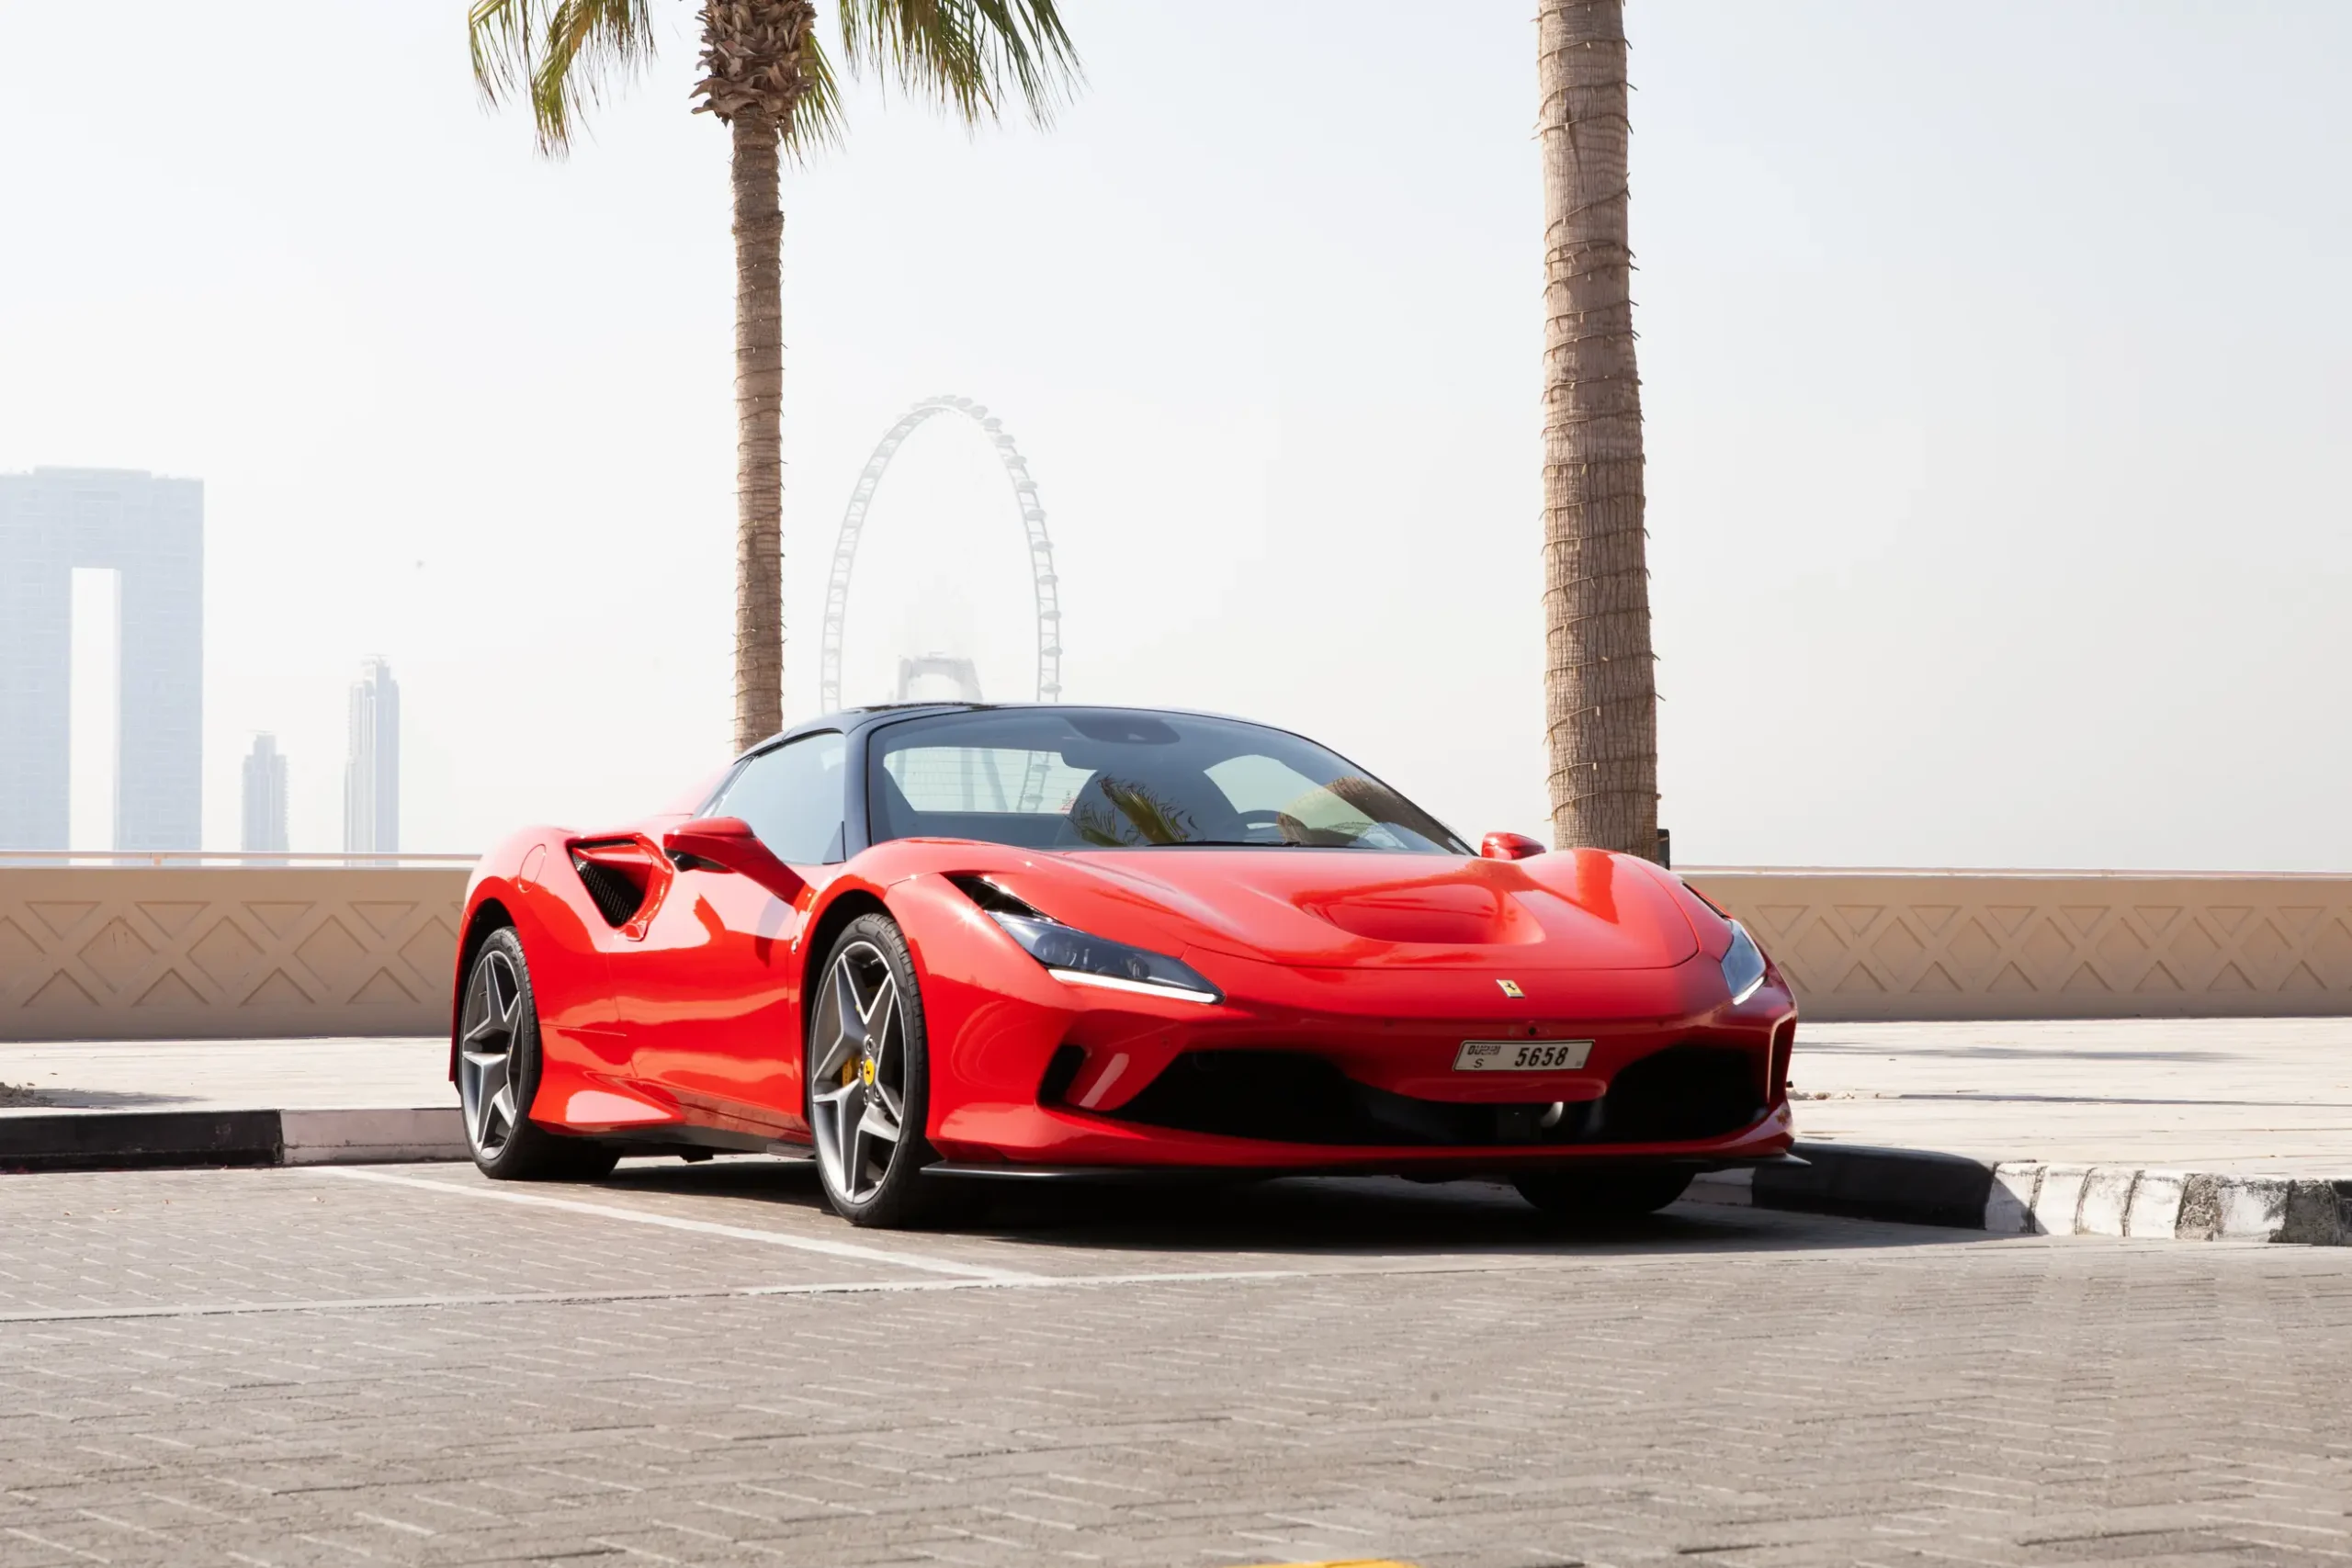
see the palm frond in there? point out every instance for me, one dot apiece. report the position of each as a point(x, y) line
point(817, 117)
point(561, 54)
point(965, 55)
point(1134, 815)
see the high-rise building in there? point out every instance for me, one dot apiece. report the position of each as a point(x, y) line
point(150, 531)
point(371, 769)
point(265, 802)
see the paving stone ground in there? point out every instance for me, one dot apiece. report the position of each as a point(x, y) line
point(695, 1365)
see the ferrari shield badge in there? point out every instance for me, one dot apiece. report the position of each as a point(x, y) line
point(1510, 988)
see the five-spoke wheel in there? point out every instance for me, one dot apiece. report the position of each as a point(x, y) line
point(486, 1059)
point(498, 1073)
point(868, 1081)
point(859, 1087)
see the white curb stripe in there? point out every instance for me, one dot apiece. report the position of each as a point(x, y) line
point(2160, 1204)
point(2252, 1209)
point(2155, 1203)
point(383, 1136)
point(2106, 1197)
point(2031, 1198)
point(2058, 1202)
point(2008, 1208)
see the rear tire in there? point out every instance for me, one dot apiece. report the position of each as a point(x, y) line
point(498, 1073)
point(1602, 1197)
point(869, 1084)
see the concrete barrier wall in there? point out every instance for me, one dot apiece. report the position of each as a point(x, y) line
point(1970, 944)
point(212, 952)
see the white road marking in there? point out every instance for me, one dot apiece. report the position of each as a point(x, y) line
point(848, 1249)
point(573, 1298)
point(1369, 1268)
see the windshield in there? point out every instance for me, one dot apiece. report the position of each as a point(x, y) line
point(1113, 779)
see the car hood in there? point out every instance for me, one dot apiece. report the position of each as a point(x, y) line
point(1575, 910)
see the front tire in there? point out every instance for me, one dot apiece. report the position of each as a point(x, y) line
point(498, 1073)
point(1602, 1197)
point(869, 1083)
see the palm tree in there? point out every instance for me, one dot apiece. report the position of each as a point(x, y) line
point(768, 79)
point(1600, 691)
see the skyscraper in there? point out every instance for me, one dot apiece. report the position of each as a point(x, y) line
point(150, 532)
point(371, 769)
point(265, 796)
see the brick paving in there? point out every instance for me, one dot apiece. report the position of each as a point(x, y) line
point(683, 1367)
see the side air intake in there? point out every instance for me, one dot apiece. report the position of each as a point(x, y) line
point(619, 896)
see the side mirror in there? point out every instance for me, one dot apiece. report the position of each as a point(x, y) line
point(1510, 846)
point(728, 843)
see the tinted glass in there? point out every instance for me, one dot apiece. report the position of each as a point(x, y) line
point(1113, 779)
point(792, 797)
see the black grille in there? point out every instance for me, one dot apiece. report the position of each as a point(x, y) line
point(1676, 1095)
point(617, 897)
point(1684, 1092)
point(1283, 1095)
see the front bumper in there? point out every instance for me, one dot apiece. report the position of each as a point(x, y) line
point(1009, 1135)
point(1027, 1070)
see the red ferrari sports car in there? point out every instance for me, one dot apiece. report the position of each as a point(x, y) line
point(959, 941)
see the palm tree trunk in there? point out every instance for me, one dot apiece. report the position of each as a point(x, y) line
point(758, 431)
point(1599, 689)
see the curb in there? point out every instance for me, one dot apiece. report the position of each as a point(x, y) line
point(1916, 1186)
point(1920, 1187)
point(135, 1140)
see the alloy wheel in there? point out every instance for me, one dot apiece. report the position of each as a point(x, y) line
point(857, 1100)
point(488, 1067)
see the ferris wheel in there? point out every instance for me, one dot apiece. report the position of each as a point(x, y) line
point(1032, 522)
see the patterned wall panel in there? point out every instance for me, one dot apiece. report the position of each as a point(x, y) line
point(262, 953)
point(1878, 945)
point(149, 952)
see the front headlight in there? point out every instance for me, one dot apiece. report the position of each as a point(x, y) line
point(1073, 955)
point(1743, 964)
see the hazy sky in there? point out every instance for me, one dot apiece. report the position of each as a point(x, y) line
point(1995, 370)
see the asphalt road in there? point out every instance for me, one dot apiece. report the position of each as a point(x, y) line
point(408, 1365)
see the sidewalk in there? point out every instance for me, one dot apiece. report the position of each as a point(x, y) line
point(2204, 1126)
point(225, 1075)
point(2192, 1129)
point(116, 1103)
point(2257, 1097)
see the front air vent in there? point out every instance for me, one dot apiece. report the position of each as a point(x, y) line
point(991, 898)
point(1060, 1072)
point(619, 896)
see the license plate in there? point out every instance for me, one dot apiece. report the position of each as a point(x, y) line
point(1522, 1056)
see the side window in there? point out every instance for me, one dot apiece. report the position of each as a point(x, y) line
point(792, 798)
